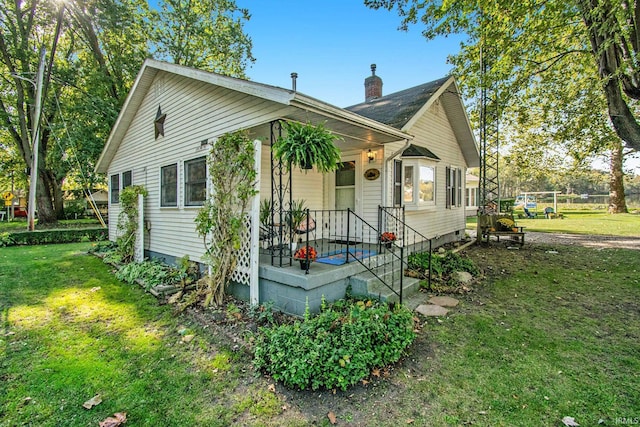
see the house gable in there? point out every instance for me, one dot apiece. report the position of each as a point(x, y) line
point(405, 108)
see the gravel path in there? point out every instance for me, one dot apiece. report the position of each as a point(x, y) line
point(587, 240)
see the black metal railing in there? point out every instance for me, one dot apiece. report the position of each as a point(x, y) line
point(408, 237)
point(342, 236)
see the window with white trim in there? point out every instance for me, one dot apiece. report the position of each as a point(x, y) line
point(169, 185)
point(114, 186)
point(195, 182)
point(419, 183)
point(126, 179)
point(454, 187)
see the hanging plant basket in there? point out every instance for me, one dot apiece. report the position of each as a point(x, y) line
point(306, 146)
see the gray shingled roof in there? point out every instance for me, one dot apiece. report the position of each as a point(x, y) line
point(417, 151)
point(398, 108)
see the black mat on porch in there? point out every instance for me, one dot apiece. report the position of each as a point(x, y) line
point(339, 257)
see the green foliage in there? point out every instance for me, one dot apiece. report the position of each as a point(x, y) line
point(205, 34)
point(6, 240)
point(441, 266)
point(262, 314)
point(149, 273)
point(222, 220)
point(74, 209)
point(128, 220)
point(338, 347)
point(41, 237)
point(306, 145)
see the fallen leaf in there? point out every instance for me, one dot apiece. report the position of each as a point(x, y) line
point(188, 338)
point(95, 400)
point(272, 388)
point(410, 421)
point(332, 418)
point(364, 382)
point(118, 419)
point(376, 372)
point(569, 421)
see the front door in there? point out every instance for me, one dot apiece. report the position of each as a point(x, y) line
point(345, 198)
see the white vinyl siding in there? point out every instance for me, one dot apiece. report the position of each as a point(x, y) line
point(195, 112)
point(433, 131)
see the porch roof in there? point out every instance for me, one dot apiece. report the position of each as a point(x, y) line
point(417, 151)
point(357, 131)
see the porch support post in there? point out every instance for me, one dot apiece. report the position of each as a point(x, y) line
point(280, 186)
point(138, 249)
point(254, 280)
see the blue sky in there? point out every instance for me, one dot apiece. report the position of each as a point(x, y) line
point(331, 45)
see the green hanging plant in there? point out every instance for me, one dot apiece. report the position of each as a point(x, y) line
point(306, 146)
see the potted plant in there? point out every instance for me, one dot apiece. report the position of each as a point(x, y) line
point(306, 146)
point(306, 255)
point(387, 238)
point(506, 224)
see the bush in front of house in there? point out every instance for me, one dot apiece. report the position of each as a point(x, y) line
point(337, 348)
point(41, 237)
point(441, 266)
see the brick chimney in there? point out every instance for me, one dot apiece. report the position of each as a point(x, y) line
point(372, 86)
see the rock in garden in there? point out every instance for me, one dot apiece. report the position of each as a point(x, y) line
point(462, 277)
point(430, 310)
point(444, 301)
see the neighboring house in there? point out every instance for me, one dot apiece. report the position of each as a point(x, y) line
point(404, 156)
point(472, 195)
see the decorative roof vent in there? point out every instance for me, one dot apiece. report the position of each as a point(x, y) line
point(372, 86)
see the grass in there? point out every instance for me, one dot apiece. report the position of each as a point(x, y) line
point(69, 331)
point(550, 335)
point(581, 222)
point(546, 335)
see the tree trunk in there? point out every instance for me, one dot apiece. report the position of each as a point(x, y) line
point(44, 202)
point(603, 39)
point(617, 201)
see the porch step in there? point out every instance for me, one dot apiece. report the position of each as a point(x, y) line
point(367, 284)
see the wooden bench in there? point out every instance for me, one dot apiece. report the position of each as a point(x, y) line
point(488, 226)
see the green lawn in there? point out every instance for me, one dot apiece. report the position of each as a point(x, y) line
point(545, 335)
point(70, 331)
point(581, 222)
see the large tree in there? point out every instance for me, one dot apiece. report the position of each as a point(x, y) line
point(99, 47)
point(531, 36)
point(94, 50)
point(205, 34)
point(553, 67)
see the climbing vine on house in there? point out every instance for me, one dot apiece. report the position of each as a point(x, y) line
point(221, 222)
point(128, 221)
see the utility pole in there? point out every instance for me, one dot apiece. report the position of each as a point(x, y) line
point(36, 143)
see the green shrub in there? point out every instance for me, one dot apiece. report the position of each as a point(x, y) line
point(441, 266)
point(150, 273)
point(6, 240)
point(338, 347)
point(74, 209)
point(41, 237)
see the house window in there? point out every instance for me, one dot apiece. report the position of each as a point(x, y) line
point(169, 185)
point(126, 179)
point(195, 182)
point(426, 189)
point(419, 184)
point(397, 183)
point(115, 188)
point(408, 184)
point(454, 187)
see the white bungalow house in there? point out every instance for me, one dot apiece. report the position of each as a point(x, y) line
point(404, 158)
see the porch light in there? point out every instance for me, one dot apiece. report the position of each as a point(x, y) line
point(371, 156)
